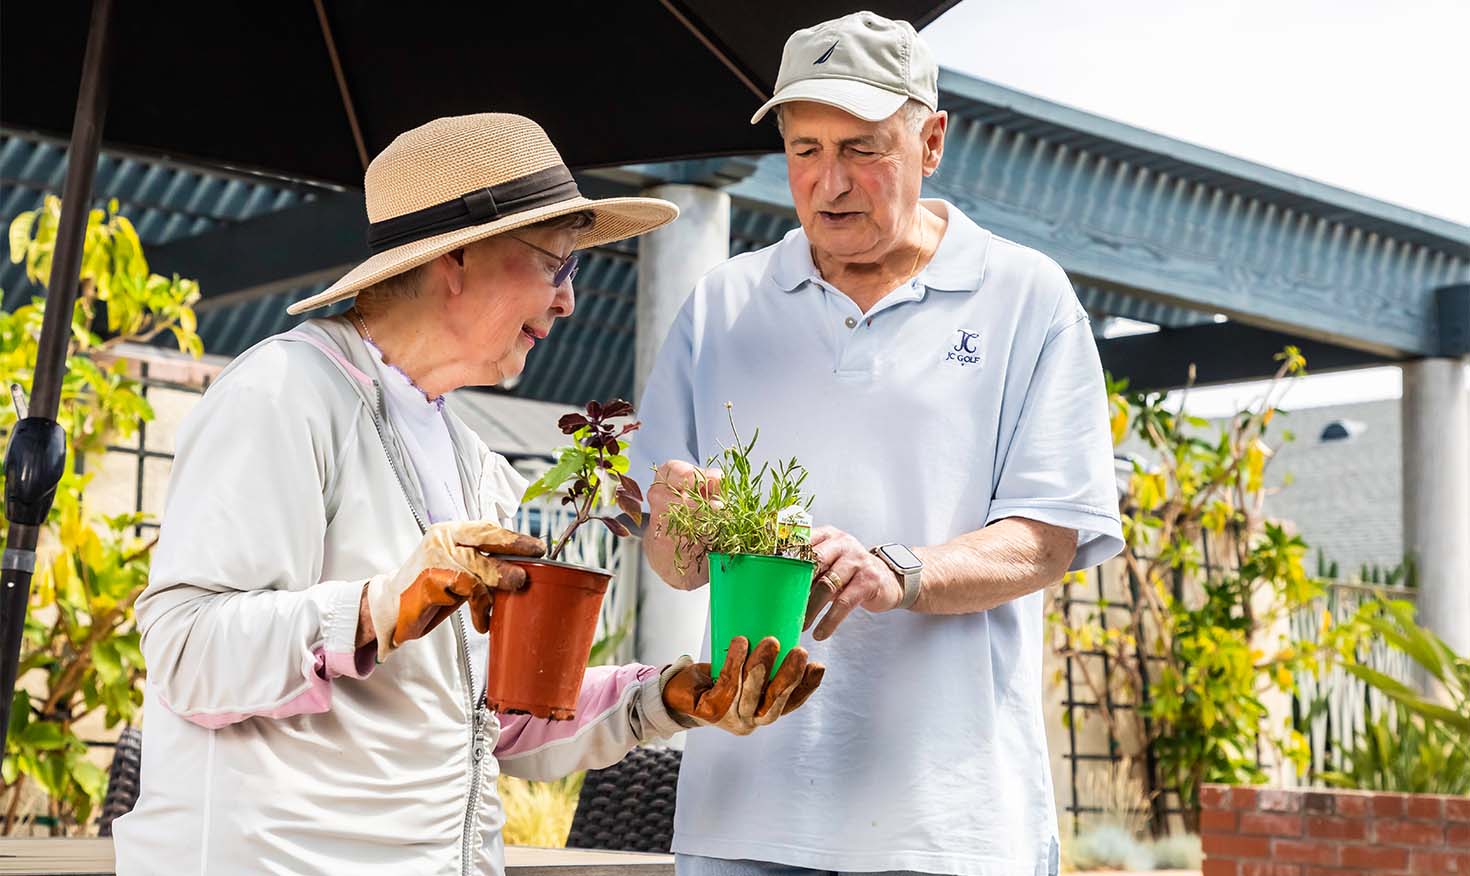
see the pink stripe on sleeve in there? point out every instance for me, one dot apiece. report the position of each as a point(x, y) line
point(603, 688)
point(315, 699)
point(353, 664)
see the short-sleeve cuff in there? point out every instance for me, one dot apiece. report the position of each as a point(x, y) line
point(1099, 534)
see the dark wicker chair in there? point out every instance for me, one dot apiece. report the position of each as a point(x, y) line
point(629, 806)
point(122, 779)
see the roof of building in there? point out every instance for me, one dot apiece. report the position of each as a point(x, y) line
point(1344, 495)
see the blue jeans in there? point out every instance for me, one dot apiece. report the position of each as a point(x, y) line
point(696, 865)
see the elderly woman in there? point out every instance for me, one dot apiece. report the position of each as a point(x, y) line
point(308, 710)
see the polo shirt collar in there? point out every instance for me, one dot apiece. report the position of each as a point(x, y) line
point(792, 266)
point(958, 264)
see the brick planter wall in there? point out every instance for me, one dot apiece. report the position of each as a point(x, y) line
point(1290, 832)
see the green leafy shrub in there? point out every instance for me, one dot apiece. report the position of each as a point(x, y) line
point(1401, 751)
point(1421, 744)
point(80, 653)
point(1210, 579)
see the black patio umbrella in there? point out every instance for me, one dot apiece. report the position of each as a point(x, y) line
point(310, 89)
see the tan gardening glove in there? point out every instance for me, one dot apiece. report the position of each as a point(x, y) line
point(444, 570)
point(742, 700)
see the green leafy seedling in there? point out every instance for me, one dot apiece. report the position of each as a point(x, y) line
point(741, 516)
point(592, 473)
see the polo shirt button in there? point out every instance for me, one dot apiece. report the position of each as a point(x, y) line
point(850, 322)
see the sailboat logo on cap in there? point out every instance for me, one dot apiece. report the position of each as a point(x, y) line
point(825, 55)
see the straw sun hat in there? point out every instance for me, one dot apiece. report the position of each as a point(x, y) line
point(460, 179)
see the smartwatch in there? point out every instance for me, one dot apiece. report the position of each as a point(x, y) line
point(906, 566)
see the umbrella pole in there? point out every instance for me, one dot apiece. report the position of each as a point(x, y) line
point(36, 457)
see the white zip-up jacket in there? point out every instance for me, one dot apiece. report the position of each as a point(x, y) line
point(269, 745)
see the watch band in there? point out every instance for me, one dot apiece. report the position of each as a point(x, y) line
point(912, 585)
point(912, 581)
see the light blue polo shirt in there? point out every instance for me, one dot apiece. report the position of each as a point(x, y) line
point(970, 394)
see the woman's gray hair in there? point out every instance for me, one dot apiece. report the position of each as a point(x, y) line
point(377, 297)
point(578, 221)
point(914, 113)
point(382, 294)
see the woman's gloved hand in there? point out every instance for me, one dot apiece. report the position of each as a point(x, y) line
point(447, 568)
point(742, 699)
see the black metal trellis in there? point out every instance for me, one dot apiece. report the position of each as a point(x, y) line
point(139, 448)
point(1078, 709)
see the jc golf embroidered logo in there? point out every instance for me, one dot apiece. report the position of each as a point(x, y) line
point(966, 351)
point(825, 55)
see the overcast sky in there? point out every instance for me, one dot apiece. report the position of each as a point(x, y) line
point(1368, 96)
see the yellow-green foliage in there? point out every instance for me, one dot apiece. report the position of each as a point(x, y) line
point(1210, 577)
point(80, 654)
point(539, 813)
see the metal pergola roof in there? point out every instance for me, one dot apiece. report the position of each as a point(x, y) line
point(1150, 229)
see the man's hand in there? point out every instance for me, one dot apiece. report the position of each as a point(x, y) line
point(662, 550)
point(847, 576)
point(743, 698)
point(446, 569)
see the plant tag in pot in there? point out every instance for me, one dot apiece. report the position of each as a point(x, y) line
point(793, 531)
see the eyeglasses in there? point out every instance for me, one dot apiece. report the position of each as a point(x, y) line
point(566, 268)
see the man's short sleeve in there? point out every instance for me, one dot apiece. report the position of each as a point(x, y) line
point(1057, 466)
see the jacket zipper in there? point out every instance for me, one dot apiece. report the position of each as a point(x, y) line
point(479, 714)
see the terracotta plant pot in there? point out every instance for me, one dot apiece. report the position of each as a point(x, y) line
point(540, 638)
point(755, 596)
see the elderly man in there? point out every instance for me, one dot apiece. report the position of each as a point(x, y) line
point(943, 386)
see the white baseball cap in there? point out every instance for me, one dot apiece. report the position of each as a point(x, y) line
point(862, 63)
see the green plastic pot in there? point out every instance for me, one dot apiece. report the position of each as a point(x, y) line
point(755, 596)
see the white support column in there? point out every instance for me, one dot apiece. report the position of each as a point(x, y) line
point(1436, 490)
point(670, 261)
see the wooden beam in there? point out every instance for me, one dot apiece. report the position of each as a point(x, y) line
point(1221, 353)
point(315, 242)
point(1387, 318)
